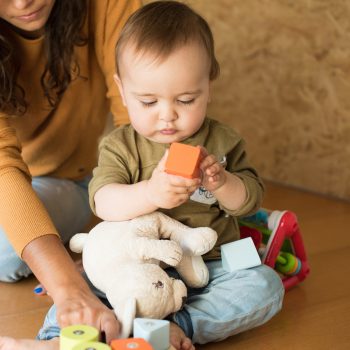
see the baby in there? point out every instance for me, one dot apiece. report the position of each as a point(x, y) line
point(165, 64)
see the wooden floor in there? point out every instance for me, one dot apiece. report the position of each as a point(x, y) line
point(316, 313)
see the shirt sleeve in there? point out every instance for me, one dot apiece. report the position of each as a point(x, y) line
point(22, 215)
point(114, 160)
point(238, 165)
point(109, 18)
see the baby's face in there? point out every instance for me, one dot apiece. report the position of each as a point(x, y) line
point(166, 99)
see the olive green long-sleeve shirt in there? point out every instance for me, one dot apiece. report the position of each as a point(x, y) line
point(127, 158)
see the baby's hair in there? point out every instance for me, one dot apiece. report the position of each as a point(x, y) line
point(161, 27)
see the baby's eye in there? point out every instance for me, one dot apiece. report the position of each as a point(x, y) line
point(148, 103)
point(186, 102)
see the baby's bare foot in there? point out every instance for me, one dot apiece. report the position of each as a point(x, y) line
point(7, 343)
point(178, 338)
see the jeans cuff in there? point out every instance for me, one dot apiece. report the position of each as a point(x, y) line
point(183, 320)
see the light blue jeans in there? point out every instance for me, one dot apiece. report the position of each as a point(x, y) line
point(231, 303)
point(68, 205)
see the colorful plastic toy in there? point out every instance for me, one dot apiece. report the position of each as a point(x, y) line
point(278, 238)
point(131, 343)
point(183, 160)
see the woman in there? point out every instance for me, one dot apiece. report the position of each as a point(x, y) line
point(56, 88)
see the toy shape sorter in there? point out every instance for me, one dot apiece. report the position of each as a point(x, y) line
point(277, 237)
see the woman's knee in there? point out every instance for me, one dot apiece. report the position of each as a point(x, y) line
point(67, 203)
point(12, 268)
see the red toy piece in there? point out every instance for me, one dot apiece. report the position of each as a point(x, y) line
point(284, 226)
point(183, 160)
point(253, 233)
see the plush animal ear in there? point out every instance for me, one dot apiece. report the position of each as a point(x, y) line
point(126, 313)
point(77, 242)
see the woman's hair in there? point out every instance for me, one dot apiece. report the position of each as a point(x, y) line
point(163, 26)
point(63, 31)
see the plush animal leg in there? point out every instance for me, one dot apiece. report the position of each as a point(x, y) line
point(147, 249)
point(193, 271)
point(193, 241)
point(125, 312)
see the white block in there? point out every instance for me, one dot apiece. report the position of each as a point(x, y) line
point(239, 255)
point(156, 332)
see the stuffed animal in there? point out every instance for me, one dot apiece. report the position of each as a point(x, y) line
point(122, 259)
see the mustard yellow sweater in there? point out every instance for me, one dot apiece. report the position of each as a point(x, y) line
point(62, 142)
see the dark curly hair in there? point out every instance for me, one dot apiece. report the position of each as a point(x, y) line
point(63, 31)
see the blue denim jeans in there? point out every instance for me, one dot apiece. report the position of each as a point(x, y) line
point(231, 303)
point(68, 206)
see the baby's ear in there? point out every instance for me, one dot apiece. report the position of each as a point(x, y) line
point(120, 87)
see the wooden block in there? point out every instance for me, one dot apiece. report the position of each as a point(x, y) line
point(156, 332)
point(74, 335)
point(239, 255)
point(183, 160)
point(130, 343)
point(92, 346)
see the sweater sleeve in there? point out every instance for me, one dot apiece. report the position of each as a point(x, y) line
point(109, 18)
point(238, 164)
point(22, 215)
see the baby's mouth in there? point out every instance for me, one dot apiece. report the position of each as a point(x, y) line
point(168, 131)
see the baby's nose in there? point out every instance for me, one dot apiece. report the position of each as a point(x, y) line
point(168, 114)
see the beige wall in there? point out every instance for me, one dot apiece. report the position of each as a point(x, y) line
point(285, 86)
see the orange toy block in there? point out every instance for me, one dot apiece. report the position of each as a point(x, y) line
point(130, 343)
point(183, 160)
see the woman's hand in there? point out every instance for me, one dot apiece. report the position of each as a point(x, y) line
point(169, 191)
point(82, 307)
point(75, 303)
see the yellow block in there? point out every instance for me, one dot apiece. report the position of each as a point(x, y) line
point(92, 345)
point(73, 335)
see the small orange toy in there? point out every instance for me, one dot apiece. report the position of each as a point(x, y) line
point(183, 160)
point(130, 343)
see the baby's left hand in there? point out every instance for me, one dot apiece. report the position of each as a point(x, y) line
point(213, 173)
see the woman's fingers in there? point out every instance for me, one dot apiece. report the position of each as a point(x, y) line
point(110, 328)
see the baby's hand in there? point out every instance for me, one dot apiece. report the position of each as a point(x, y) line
point(213, 173)
point(169, 191)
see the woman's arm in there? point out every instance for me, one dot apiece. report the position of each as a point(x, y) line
point(33, 235)
point(52, 265)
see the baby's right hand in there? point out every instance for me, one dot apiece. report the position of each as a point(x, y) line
point(168, 191)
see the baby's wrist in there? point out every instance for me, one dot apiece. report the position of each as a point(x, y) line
point(149, 196)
